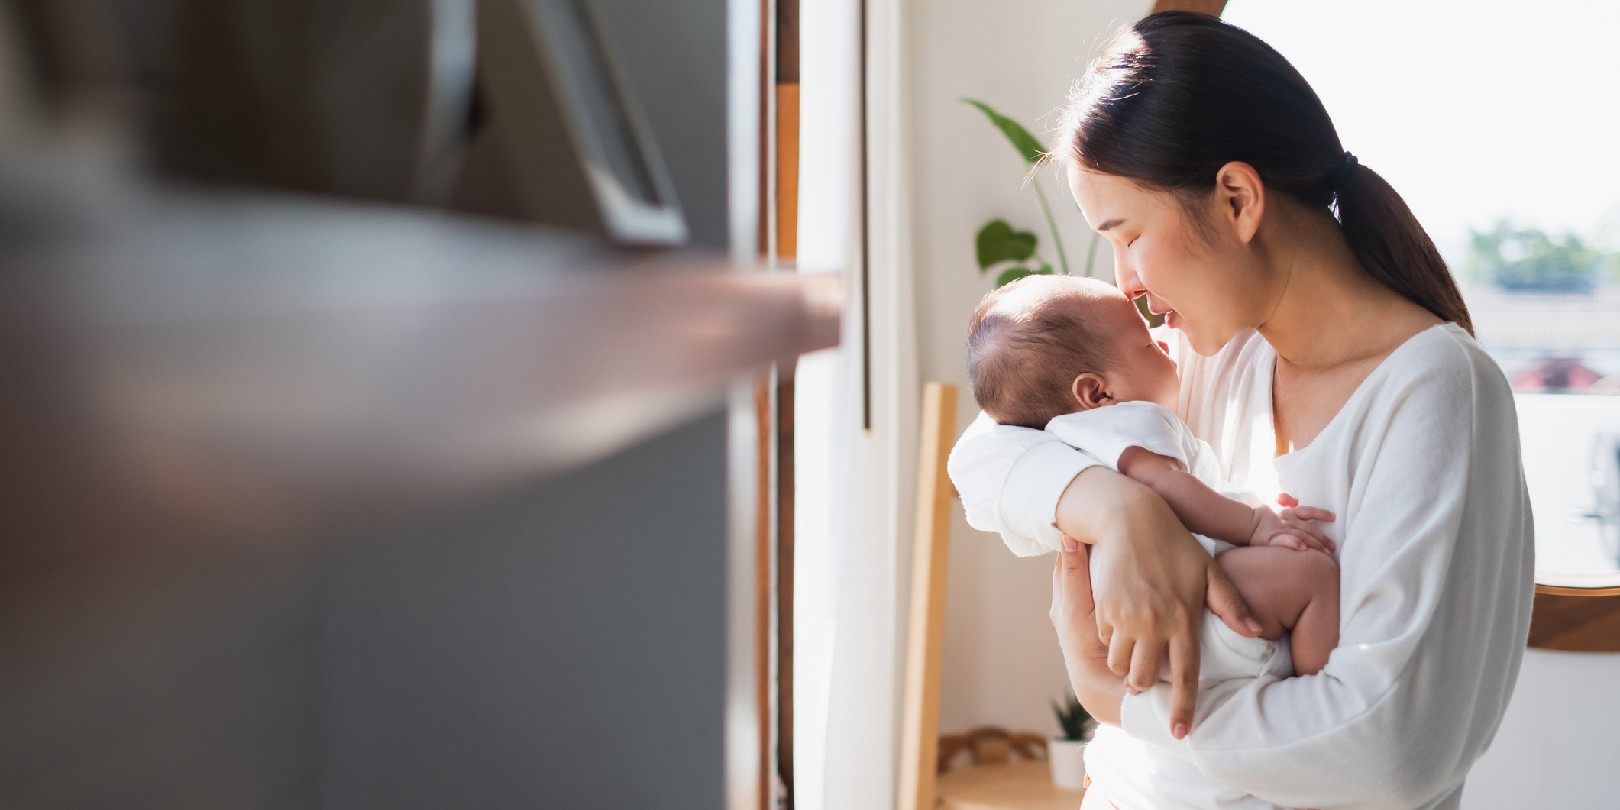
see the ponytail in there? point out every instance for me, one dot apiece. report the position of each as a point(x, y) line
point(1388, 241)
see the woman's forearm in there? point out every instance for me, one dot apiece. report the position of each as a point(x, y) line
point(1101, 507)
point(1100, 691)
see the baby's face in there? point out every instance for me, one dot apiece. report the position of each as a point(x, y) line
point(1140, 368)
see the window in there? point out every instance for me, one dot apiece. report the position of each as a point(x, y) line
point(1496, 123)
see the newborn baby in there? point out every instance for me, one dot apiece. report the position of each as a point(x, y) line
point(1074, 357)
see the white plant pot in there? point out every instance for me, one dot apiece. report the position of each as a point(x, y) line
point(1068, 760)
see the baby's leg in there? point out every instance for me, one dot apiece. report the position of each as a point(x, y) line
point(1290, 590)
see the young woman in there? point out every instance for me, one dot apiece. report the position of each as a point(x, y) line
point(1325, 353)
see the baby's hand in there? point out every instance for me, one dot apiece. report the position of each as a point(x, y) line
point(1292, 527)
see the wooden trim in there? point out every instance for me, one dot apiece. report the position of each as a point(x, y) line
point(764, 574)
point(765, 410)
point(1565, 590)
point(1575, 620)
point(784, 174)
point(784, 584)
point(1210, 7)
point(787, 172)
point(925, 636)
point(787, 41)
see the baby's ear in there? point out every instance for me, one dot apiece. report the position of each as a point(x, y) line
point(1090, 390)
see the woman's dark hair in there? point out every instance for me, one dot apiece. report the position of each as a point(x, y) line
point(1179, 94)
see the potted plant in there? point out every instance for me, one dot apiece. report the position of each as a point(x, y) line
point(1066, 752)
point(1002, 247)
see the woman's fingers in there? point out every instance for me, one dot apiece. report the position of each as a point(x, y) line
point(1073, 611)
point(1225, 601)
point(1144, 668)
point(1184, 664)
point(1120, 650)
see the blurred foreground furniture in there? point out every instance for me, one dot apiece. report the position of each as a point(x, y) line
point(321, 505)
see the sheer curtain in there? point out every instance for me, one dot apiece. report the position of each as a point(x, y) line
point(853, 500)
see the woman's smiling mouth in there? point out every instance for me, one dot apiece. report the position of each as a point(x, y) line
point(1171, 317)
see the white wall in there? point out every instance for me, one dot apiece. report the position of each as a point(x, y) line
point(1001, 660)
point(1558, 742)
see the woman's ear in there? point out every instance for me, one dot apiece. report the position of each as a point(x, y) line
point(1240, 199)
point(1090, 390)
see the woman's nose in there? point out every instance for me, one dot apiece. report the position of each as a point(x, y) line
point(1126, 280)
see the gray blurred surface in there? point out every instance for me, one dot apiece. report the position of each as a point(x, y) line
point(563, 646)
point(560, 645)
point(675, 53)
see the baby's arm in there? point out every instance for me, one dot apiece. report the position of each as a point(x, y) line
point(1207, 512)
point(1290, 592)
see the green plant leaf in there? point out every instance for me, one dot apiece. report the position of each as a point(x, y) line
point(998, 242)
point(1026, 144)
point(1044, 270)
point(1012, 274)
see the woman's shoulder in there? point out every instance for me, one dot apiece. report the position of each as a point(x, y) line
point(1442, 369)
point(1444, 356)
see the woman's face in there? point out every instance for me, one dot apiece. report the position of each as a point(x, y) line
point(1203, 282)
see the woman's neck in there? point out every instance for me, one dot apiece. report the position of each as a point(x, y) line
point(1331, 313)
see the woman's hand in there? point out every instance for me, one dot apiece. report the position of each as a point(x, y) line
point(1154, 580)
point(1084, 655)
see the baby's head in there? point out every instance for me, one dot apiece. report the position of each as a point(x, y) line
point(1043, 346)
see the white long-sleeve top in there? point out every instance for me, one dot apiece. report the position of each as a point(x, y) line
point(1435, 550)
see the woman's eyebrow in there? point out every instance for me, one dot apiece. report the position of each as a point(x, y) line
point(1110, 224)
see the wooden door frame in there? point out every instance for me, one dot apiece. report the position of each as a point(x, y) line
point(777, 203)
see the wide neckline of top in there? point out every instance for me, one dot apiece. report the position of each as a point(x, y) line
point(1333, 424)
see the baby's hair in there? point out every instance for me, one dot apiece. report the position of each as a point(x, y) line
point(1025, 348)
